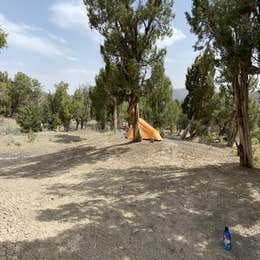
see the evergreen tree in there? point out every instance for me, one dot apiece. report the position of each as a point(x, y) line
point(100, 99)
point(20, 91)
point(3, 36)
point(131, 29)
point(231, 27)
point(157, 105)
point(5, 99)
point(29, 114)
point(87, 106)
point(77, 107)
point(62, 104)
point(50, 114)
point(29, 117)
point(200, 86)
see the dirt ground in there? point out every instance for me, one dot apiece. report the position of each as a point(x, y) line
point(89, 195)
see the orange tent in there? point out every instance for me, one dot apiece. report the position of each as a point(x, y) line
point(147, 131)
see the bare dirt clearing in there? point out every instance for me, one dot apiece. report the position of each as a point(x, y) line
point(87, 195)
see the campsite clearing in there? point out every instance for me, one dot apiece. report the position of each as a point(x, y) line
point(89, 195)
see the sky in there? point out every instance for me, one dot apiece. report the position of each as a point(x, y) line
point(50, 40)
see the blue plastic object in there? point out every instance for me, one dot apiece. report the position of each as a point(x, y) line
point(227, 239)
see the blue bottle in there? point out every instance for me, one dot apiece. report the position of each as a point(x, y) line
point(227, 239)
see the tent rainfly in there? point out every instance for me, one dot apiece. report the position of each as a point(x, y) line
point(147, 131)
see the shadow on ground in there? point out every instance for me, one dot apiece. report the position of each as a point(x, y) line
point(66, 139)
point(189, 140)
point(55, 164)
point(153, 213)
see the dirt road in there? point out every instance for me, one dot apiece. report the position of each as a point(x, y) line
point(95, 196)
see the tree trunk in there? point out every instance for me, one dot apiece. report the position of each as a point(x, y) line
point(241, 96)
point(12, 112)
point(133, 110)
point(82, 124)
point(102, 124)
point(77, 125)
point(66, 126)
point(193, 133)
point(115, 115)
point(232, 131)
point(188, 128)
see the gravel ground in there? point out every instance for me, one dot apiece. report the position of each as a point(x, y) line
point(87, 195)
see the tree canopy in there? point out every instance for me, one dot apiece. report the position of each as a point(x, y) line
point(3, 41)
point(200, 86)
point(231, 27)
point(130, 30)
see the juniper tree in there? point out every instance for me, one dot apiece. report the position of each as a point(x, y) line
point(231, 27)
point(157, 106)
point(20, 91)
point(130, 29)
point(5, 99)
point(3, 36)
point(62, 103)
point(200, 86)
point(77, 107)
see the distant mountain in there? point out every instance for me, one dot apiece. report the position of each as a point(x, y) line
point(179, 93)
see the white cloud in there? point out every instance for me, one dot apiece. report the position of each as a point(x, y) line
point(68, 14)
point(57, 38)
point(168, 41)
point(27, 37)
point(80, 73)
point(71, 14)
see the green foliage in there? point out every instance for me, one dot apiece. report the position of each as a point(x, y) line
point(224, 110)
point(123, 116)
point(130, 30)
point(29, 118)
point(231, 27)
point(210, 138)
point(5, 99)
point(36, 92)
point(100, 100)
point(254, 112)
point(3, 36)
point(50, 115)
point(157, 105)
point(77, 106)
point(256, 135)
point(183, 120)
point(198, 104)
point(62, 104)
point(200, 86)
point(87, 106)
point(26, 98)
point(20, 91)
point(106, 94)
point(174, 115)
point(81, 106)
point(31, 136)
